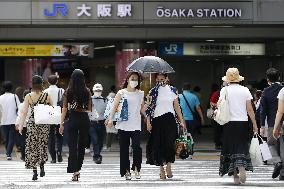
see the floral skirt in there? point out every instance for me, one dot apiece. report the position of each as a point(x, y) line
point(36, 144)
point(235, 149)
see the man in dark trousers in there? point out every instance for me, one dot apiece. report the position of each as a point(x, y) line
point(98, 129)
point(55, 137)
point(268, 110)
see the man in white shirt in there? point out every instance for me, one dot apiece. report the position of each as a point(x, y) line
point(55, 137)
point(9, 104)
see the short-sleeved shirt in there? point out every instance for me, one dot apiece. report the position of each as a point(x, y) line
point(281, 94)
point(192, 100)
point(8, 107)
point(214, 97)
point(99, 105)
point(134, 100)
point(165, 101)
point(54, 92)
point(238, 96)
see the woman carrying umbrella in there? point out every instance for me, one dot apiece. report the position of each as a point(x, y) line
point(162, 113)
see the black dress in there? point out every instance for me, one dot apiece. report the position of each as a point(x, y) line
point(235, 149)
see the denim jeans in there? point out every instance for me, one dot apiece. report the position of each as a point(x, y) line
point(97, 133)
point(9, 133)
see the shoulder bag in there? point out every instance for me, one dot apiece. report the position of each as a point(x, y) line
point(222, 115)
point(46, 114)
point(121, 113)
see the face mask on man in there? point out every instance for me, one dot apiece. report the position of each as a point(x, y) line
point(97, 94)
point(133, 84)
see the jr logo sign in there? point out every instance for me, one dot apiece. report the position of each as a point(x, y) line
point(57, 8)
point(171, 49)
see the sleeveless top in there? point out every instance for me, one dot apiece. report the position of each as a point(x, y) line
point(41, 100)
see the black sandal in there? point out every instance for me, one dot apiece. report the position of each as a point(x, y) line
point(76, 177)
point(35, 175)
point(42, 172)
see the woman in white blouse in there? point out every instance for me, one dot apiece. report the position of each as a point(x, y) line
point(130, 129)
point(235, 158)
point(162, 113)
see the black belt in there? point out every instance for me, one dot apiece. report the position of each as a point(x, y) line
point(99, 121)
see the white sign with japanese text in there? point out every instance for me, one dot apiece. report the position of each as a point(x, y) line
point(207, 49)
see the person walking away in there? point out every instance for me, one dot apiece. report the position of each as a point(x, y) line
point(111, 131)
point(190, 106)
point(235, 158)
point(218, 129)
point(130, 129)
point(24, 130)
point(278, 135)
point(78, 96)
point(197, 92)
point(163, 111)
point(9, 104)
point(256, 101)
point(98, 129)
point(37, 134)
point(269, 105)
point(19, 92)
point(55, 138)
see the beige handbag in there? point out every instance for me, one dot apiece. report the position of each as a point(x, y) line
point(222, 113)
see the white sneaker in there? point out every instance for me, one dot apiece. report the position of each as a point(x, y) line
point(127, 176)
point(9, 158)
point(242, 176)
point(87, 150)
point(137, 175)
point(236, 178)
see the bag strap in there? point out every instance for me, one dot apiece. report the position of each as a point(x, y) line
point(258, 136)
point(31, 99)
point(16, 103)
point(59, 96)
point(40, 99)
point(188, 104)
point(226, 93)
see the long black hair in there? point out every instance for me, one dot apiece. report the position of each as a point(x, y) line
point(77, 91)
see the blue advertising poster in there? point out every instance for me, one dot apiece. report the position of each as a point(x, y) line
point(171, 49)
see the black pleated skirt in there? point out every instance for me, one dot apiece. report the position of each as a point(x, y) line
point(161, 144)
point(235, 149)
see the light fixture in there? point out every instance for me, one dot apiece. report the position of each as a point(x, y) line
point(150, 42)
point(212, 26)
point(278, 54)
point(210, 40)
point(104, 47)
point(197, 60)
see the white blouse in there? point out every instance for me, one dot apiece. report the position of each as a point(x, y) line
point(135, 100)
point(165, 101)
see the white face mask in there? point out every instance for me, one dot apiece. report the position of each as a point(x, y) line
point(97, 94)
point(133, 84)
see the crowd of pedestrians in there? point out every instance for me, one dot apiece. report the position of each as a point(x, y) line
point(165, 112)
